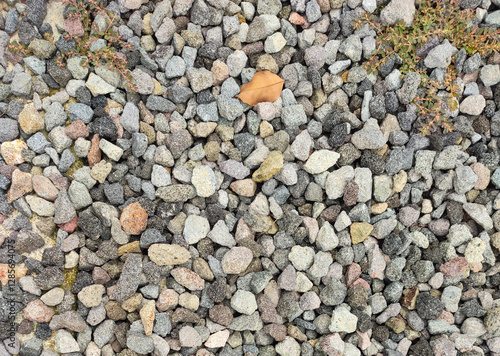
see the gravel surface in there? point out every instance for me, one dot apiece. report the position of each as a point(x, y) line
point(179, 220)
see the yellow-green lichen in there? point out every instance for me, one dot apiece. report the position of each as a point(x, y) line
point(70, 276)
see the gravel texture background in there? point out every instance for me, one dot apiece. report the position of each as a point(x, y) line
point(179, 220)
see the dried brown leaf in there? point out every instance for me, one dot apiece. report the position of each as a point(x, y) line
point(264, 86)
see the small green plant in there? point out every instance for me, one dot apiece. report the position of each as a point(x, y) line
point(83, 13)
point(16, 47)
point(441, 19)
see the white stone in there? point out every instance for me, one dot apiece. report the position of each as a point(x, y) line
point(301, 145)
point(160, 176)
point(451, 297)
point(320, 161)
point(204, 181)
point(274, 43)
point(336, 181)
point(343, 320)
point(98, 86)
point(244, 302)
point(65, 342)
point(419, 239)
point(40, 206)
point(473, 105)
point(221, 235)
point(474, 251)
point(363, 178)
point(288, 347)
point(195, 228)
point(369, 5)
point(301, 257)
point(53, 297)
point(327, 240)
point(91, 296)
point(479, 214)
point(189, 337)
point(343, 221)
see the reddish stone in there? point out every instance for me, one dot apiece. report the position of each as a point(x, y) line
point(277, 331)
point(332, 345)
point(296, 19)
point(312, 227)
point(7, 171)
point(360, 282)
point(353, 273)
point(447, 316)
point(331, 213)
point(486, 92)
point(76, 129)
point(70, 226)
point(100, 276)
point(306, 25)
point(494, 344)
point(440, 227)
point(94, 155)
point(253, 48)
point(2, 219)
point(243, 231)
point(267, 310)
point(483, 174)
point(74, 27)
point(21, 185)
point(11, 151)
point(470, 77)
point(364, 340)
point(134, 219)
point(476, 267)
point(494, 58)
point(37, 311)
point(442, 347)
point(455, 267)
point(376, 262)
point(188, 278)
point(220, 71)
point(61, 182)
point(168, 299)
point(13, 57)
point(239, 258)
point(44, 187)
point(351, 193)
point(324, 6)
point(287, 278)
point(25, 327)
point(469, 294)
point(408, 215)
point(221, 314)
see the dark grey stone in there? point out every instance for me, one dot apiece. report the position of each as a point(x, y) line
point(129, 279)
point(9, 130)
point(399, 159)
point(152, 236)
point(36, 10)
point(428, 306)
point(49, 278)
point(11, 21)
point(158, 103)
